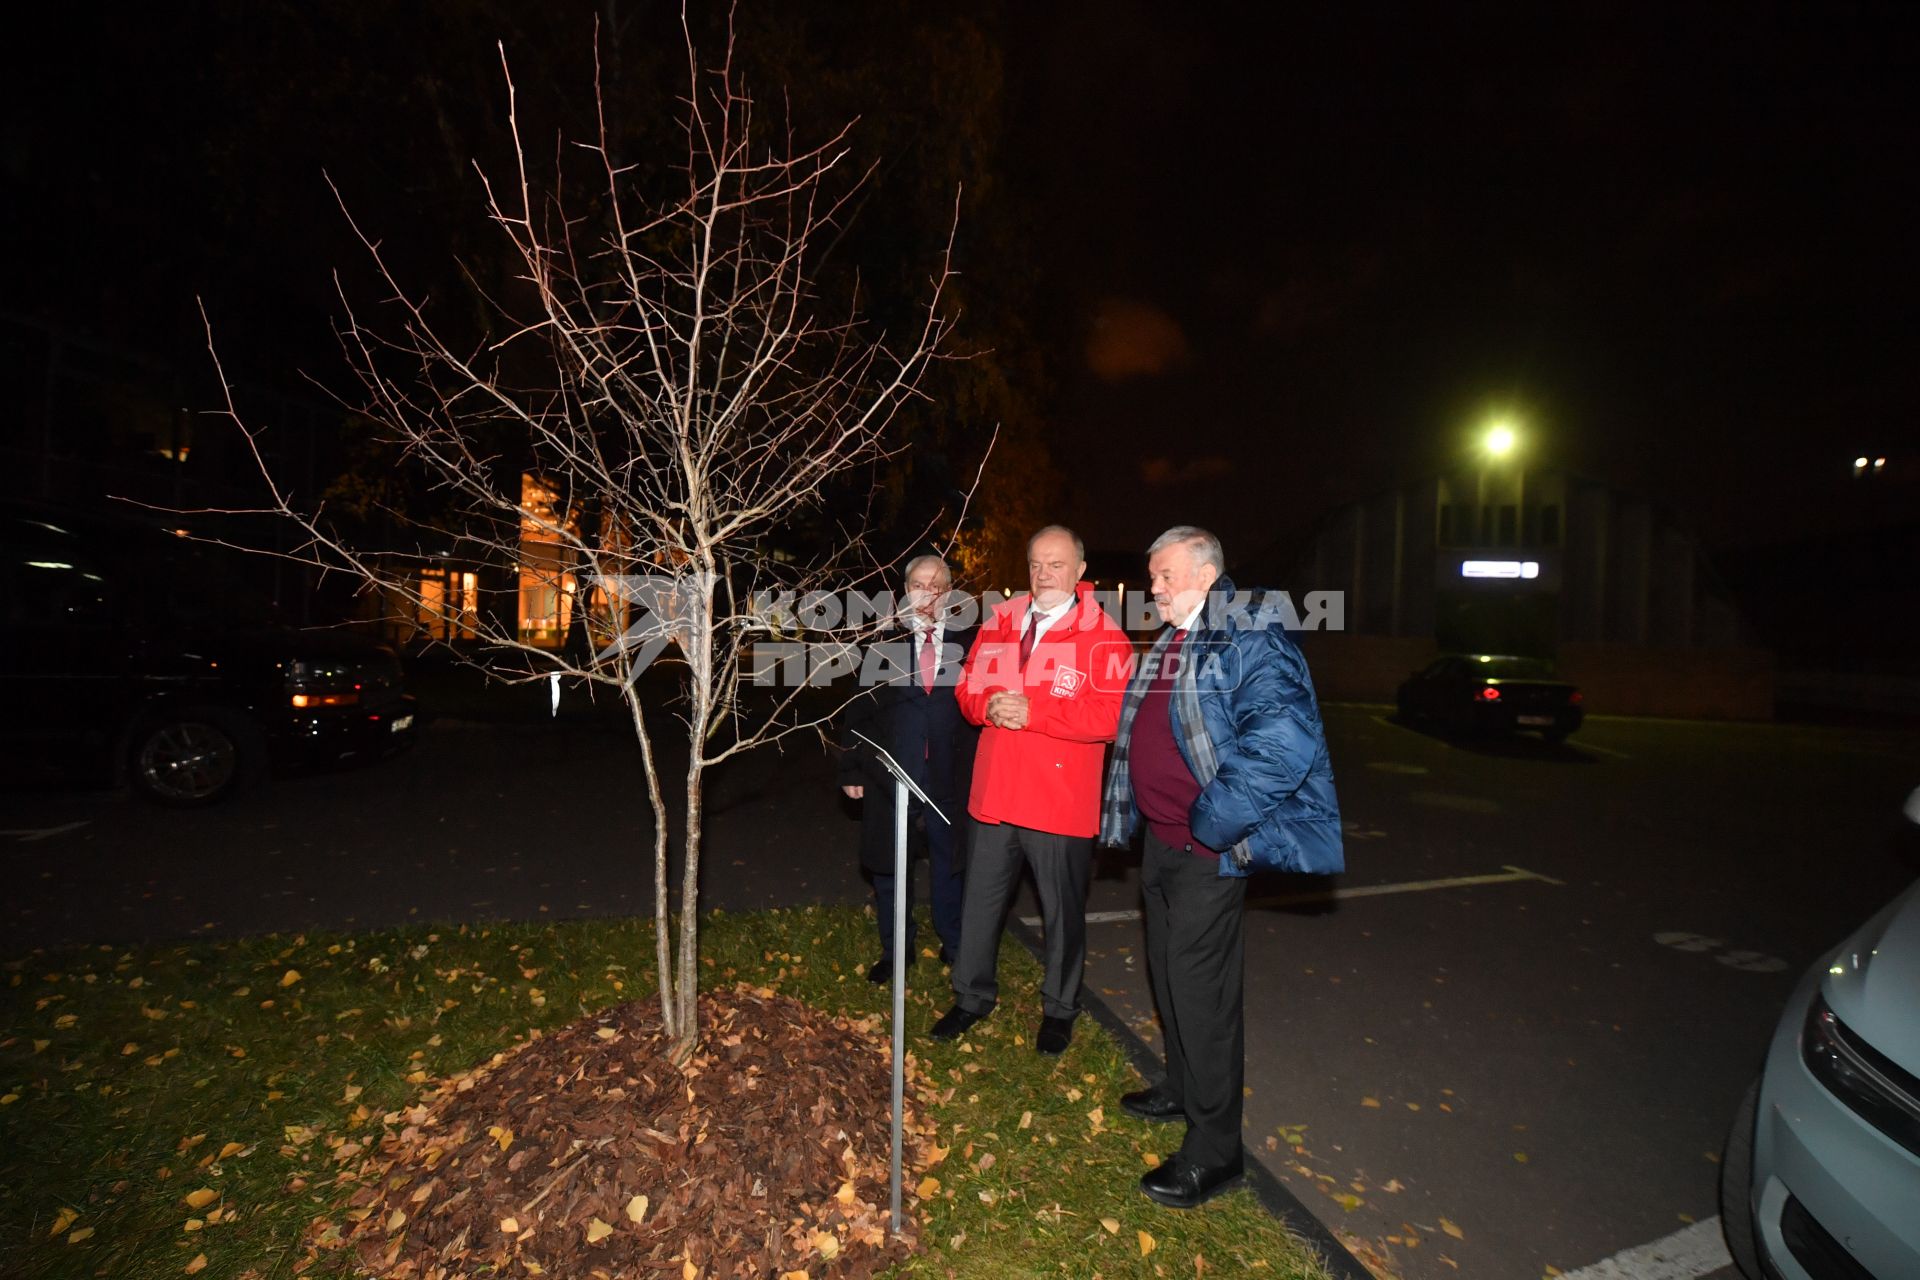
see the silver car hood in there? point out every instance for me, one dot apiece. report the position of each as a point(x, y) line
point(1872, 982)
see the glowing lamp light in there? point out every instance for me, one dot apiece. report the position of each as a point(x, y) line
point(1860, 463)
point(1500, 440)
point(1499, 568)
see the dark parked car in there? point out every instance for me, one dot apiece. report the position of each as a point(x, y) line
point(131, 654)
point(1470, 693)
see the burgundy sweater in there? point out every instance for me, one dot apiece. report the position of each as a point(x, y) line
point(1163, 786)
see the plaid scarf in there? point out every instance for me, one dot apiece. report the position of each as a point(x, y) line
point(1118, 816)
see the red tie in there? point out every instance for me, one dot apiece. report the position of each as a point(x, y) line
point(1027, 640)
point(929, 664)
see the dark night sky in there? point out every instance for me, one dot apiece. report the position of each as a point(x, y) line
point(1680, 246)
point(1289, 258)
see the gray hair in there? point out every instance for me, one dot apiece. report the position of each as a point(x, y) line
point(1205, 547)
point(1079, 547)
point(913, 567)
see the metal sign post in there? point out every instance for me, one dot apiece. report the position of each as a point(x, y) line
point(902, 785)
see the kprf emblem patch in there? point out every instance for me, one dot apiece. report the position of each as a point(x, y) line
point(1067, 682)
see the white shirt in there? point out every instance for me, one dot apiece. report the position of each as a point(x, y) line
point(1044, 618)
point(923, 635)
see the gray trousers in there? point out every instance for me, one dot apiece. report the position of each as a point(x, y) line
point(1061, 867)
point(1196, 958)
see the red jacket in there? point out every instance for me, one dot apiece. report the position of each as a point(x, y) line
point(1047, 775)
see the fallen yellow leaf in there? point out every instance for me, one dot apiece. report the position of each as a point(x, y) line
point(1348, 1201)
point(1151, 1160)
point(928, 1185)
point(8, 1099)
point(501, 1135)
point(396, 1220)
point(606, 1033)
point(845, 1194)
point(1369, 1102)
point(231, 1149)
point(1026, 1119)
point(201, 1198)
point(1520, 1157)
point(637, 1209)
point(510, 1225)
point(827, 1243)
point(598, 1231)
point(79, 1234)
point(198, 1264)
point(62, 1220)
point(1097, 1117)
point(193, 1224)
point(1112, 1225)
point(1452, 1230)
point(290, 977)
point(1146, 1244)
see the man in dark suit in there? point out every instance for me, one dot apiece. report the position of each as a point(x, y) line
point(913, 714)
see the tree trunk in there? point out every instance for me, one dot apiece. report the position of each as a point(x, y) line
point(662, 918)
point(687, 1009)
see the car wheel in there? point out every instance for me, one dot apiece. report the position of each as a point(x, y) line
point(194, 757)
point(1736, 1186)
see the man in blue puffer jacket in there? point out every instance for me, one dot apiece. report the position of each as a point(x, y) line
point(1221, 753)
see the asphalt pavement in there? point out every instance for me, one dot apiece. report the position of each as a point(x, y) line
point(1508, 1038)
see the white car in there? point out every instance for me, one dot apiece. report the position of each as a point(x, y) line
point(1822, 1174)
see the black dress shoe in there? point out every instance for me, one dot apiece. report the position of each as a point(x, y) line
point(954, 1023)
point(1153, 1104)
point(1181, 1184)
point(946, 955)
point(880, 972)
point(1054, 1036)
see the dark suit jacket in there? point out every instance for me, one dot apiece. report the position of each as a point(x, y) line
point(924, 731)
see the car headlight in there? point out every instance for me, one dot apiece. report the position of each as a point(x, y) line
point(1872, 1085)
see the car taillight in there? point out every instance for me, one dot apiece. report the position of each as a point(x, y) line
point(1489, 694)
point(326, 699)
point(1574, 698)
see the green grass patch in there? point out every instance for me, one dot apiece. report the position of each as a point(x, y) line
point(161, 1104)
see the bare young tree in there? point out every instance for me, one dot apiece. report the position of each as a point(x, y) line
point(668, 369)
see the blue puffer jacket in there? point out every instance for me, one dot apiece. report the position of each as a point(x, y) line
point(1248, 725)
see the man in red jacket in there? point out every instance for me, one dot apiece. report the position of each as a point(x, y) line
point(1046, 678)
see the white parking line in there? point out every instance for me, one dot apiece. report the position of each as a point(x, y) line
point(1688, 1252)
point(1507, 875)
point(29, 834)
point(1584, 745)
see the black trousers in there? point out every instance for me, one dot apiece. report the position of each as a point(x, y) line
point(1196, 958)
point(1061, 867)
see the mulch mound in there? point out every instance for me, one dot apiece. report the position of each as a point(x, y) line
point(587, 1153)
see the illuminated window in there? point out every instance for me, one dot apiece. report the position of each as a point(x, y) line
point(449, 607)
point(546, 565)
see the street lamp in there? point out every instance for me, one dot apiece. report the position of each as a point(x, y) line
point(1497, 445)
